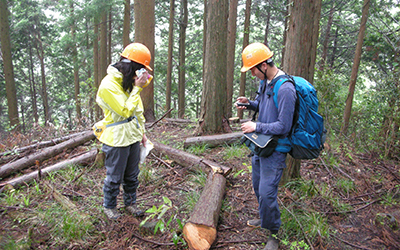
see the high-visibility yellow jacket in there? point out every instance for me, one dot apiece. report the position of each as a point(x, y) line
point(118, 105)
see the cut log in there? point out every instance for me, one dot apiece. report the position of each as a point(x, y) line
point(189, 160)
point(235, 119)
point(27, 161)
point(200, 231)
point(42, 144)
point(177, 120)
point(84, 158)
point(213, 140)
point(69, 206)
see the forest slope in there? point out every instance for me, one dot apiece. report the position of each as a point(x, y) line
point(344, 200)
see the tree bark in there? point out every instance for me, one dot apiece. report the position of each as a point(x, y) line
point(182, 57)
point(354, 70)
point(144, 33)
point(32, 86)
point(96, 63)
point(302, 38)
point(246, 35)
point(189, 160)
point(109, 36)
point(30, 160)
point(127, 22)
point(170, 55)
point(86, 157)
point(11, 89)
point(231, 55)
point(213, 140)
point(201, 229)
point(327, 37)
point(300, 54)
point(103, 44)
point(266, 34)
point(213, 101)
point(75, 65)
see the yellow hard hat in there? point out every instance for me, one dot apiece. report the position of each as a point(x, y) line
point(255, 54)
point(139, 53)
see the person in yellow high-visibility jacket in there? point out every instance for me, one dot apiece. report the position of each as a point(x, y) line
point(119, 98)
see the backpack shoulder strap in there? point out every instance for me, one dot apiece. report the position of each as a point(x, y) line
point(279, 81)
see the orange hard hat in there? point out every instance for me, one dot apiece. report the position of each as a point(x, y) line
point(255, 54)
point(139, 53)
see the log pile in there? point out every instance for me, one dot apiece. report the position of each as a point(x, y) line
point(45, 154)
point(36, 158)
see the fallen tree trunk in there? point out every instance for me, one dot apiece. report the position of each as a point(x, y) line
point(42, 144)
point(189, 160)
point(177, 120)
point(84, 158)
point(200, 231)
point(8, 169)
point(213, 140)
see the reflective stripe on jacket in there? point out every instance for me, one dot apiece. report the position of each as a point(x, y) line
point(118, 105)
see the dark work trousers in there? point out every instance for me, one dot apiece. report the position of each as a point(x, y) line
point(266, 174)
point(122, 164)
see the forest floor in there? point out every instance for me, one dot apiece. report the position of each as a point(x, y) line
point(344, 200)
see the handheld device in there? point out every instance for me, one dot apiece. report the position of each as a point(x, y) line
point(240, 104)
point(140, 72)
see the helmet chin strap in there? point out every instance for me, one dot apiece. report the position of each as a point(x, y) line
point(264, 73)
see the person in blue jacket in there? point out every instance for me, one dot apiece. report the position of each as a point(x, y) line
point(267, 171)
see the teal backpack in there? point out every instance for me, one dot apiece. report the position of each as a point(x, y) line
point(308, 134)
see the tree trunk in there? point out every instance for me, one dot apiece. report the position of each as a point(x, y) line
point(40, 53)
point(231, 55)
point(75, 65)
point(109, 36)
point(103, 44)
point(204, 36)
point(300, 54)
point(182, 57)
point(302, 38)
point(127, 23)
point(8, 66)
point(246, 35)
point(334, 47)
point(266, 34)
point(285, 33)
point(170, 55)
point(327, 37)
point(30, 160)
point(201, 229)
point(33, 87)
point(213, 101)
point(35, 175)
point(354, 70)
point(213, 140)
point(96, 66)
point(144, 33)
point(188, 160)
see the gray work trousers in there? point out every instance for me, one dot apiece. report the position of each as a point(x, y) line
point(122, 164)
point(266, 174)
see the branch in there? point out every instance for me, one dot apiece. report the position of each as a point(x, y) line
point(162, 117)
